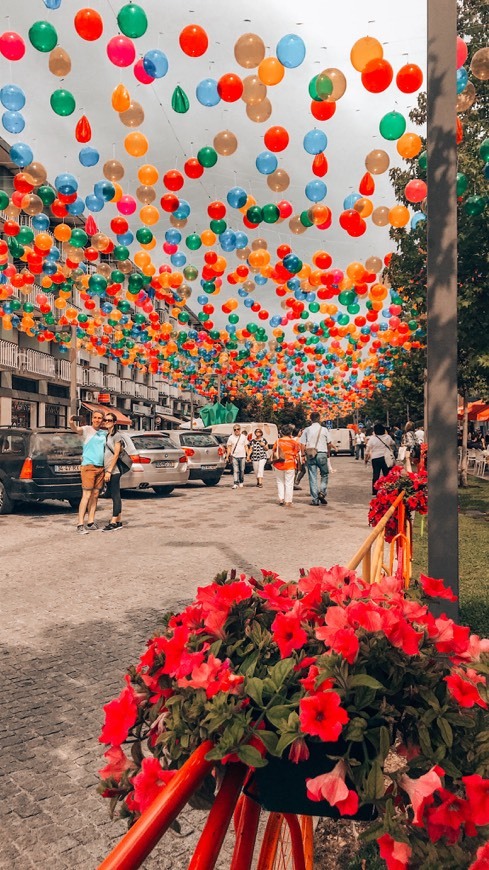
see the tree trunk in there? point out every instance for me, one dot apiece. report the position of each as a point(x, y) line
point(465, 433)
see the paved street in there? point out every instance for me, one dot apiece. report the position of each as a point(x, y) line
point(77, 610)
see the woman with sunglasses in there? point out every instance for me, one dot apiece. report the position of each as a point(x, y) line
point(257, 454)
point(113, 446)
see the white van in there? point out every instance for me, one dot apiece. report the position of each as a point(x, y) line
point(342, 441)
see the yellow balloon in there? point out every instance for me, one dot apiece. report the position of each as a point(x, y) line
point(136, 144)
point(208, 238)
point(399, 216)
point(149, 215)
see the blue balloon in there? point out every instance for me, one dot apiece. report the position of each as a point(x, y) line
point(49, 267)
point(52, 4)
point(173, 237)
point(241, 240)
point(315, 141)
point(316, 190)
point(275, 321)
point(21, 154)
point(104, 190)
point(266, 162)
point(155, 63)
point(207, 93)
point(236, 197)
point(54, 253)
point(182, 211)
point(462, 79)
point(485, 171)
point(416, 219)
point(13, 122)
point(350, 200)
point(260, 279)
point(66, 183)
point(77, 207)
point(125, 238)
point(242, 292)
point(88, 156)
point(248, 302)
point(228, 240)
point(202, 300)
point(40, 222)
point(12, 97)
point(178, 259)
point(94, 203)
point(291, 50)
point(294, 284)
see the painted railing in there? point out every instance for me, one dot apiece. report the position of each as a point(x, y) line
point(371, 554)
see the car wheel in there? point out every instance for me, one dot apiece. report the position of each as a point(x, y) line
point(212, 480)
point(163, 490)
point(74, 503)
point(6, 505)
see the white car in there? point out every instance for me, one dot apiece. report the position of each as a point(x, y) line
point(157, 463)
point(206, 457)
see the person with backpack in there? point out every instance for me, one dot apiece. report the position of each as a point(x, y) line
point(285, 451)
point(113, 449)
point(316, 441)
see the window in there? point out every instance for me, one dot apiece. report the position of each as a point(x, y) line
point(12, 444)
point(56, 444)
point(194, 439)
point(152, 442)
point(55, 416)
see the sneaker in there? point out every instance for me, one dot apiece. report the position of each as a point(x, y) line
point(112, 527)
point(235, 485)
point(241, 486)
point(92, 527)
point(322, 498)
point(119, 525)
point(315, 503)
point(81, 530)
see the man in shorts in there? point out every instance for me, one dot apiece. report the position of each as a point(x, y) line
point(92, 469)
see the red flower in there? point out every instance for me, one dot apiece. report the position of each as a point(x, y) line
point(346, 643)
point(436, 588)
point(477, 791)
point(299, 751)
point(118, 763)
point(446, 819)
point(322, 715)
point(332, 787)
point(419, 790)
point(173, 649)
point(149, 782)
point(287, 631)
point(482, 858)
point(452, 638)
point(465, 693)
point(400, 634)
point(120, 716)
point(395, 854)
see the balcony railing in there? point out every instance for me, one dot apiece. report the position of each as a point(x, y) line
point(128, 387)
point(37, 363)
point(63, 369)
point(113, 383)
point(141, 391)
point(93, 378)
point(9, 353)
point(153, 394)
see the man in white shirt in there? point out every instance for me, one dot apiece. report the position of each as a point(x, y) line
point(237, 445)
point(315, 441)
point(419, 435)
point(360, 442)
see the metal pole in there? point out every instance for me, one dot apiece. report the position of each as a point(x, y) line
point(219, 388)
point(442, 299)
point(73, 372)
point(191, 406)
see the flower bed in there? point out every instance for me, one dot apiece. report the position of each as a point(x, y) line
point(268, 669)
point(389, 487)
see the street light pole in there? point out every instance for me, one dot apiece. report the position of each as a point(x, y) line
point(441, 392)
point(73, 372)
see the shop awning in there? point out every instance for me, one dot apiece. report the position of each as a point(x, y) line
point(477, 411)
point(122, 420)
point(169, 418)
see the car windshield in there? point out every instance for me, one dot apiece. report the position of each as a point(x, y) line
point(192, 439)
point(56, 444)
point(151, 442)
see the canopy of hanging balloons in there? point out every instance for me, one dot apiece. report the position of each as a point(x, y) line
point(339, 329)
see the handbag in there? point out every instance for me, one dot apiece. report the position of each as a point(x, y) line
point(278, 455)
point(124, 461)
point(401, 454)
point(389, 457)
point(312, 452)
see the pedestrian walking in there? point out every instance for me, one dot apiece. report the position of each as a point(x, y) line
point(257, 454)
point(236, 451)
point(285, 451)
point(380, 451)
point(113, 446)
point(316, 441)
point(360, 442)
point(91, 469)
point(412, 445)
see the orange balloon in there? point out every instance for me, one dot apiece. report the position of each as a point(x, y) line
point(118, 192)
point(355, 271)
point(399, 216)
point(208, 238)
point(43, 241)
point(62, 232)
point(121, 99)
point(271, 71)
point(364, 207)
point(364, 50)
point(136, 144)
point(149, 215)
point(142, 259)
point(149, 245)
point(148, 174)
point(409, 145)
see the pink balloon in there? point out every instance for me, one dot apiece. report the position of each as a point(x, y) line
point(169, 248)
point(416, 190)
point(141, 74)
point(126, 205)
point(121, 51)
point(462, 52)
point(12, 46)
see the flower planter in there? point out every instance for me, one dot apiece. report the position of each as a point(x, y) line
point(281, 786)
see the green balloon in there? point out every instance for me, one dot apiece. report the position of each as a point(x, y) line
point(233, 318)
point(343, 319)
point(218, 227)
point(135, 283)
point(484, 150)
point(183, 317)
point(47, 194)
point(120, 252)
point(62, 102)
point(79, 238)
point(132, 21)
point(25, 236)
point(193, 242)
point(179, 101)
point(423, 160)
point(305, 219)
point(202, 316)
point(324, 86)
point(97, 284)
point(392, 126)
point(207, 156)
point(4, 200)
point(313, 90)
point(117, 277)
point(190, 273)
point(462, 183)
point(346, 297)
point(43, 36)
point(254, 214)
point(144, 235)
point(28, 307)
point(474, 205)
point(314, 307)
point(271, 213)
point(208, 287)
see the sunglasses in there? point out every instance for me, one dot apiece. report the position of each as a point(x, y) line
point(110, 419)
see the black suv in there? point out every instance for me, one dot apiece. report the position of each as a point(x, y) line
point(36, 464)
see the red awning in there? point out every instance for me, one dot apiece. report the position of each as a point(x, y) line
point(476, 410)
point(122, 420)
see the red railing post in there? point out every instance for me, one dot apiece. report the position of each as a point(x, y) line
point(246, 831)
point(215, 828)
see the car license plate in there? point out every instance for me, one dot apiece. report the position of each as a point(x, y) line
point(164, 463)
point(209, 467)
point(66, 469)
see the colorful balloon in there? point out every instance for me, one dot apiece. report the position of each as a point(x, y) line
point(155, 63)
point(12, 46)
point(62, 102)
point(271, 71)
point(276, 139)
point(364, 50)
point(377, 162)
point(392, 126)
point(225, 143)
point(89, 24)
point(377, 75)
point(121, 51)
point(249, 50)
point(291, 50)
point(193, 40)
point(43, 36)
point(409, 78)
point(132, 21)
point(230, 87)
point(315, 141)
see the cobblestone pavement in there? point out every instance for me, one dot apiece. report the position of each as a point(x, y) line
point(77, 610)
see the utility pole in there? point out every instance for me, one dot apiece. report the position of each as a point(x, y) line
point(219, 388)
point(73, 372)
point(191, 406)
point(442, 300)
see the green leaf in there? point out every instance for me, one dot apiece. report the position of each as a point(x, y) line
point(385, 742)
point(285, 740)
point(278, 714)
point(215, 647)
point(269, 738)
point(279, 672)
point(250, 756)
point(254, 688)
point(364, 680)
point(445, 730)
point(424, 740)
point(374, 788)
point(249, 663)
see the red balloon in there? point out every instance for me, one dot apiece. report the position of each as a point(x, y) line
point(416, 190)
point(216, 210)
point(283, 250)
point(141, 74)
point(169, 202)
point(320, 165)
point(173, 179)
point(284, 208)
point(276, 138)
point(83, 131)
point(22, 183)
point(91, 254)
point(119, 226)
point(89, 24)
point(210, 257)
point(230, 87)
point(323, 260)
point(193, 40)
point(323, 110)
point(367, 185)
point(248, 224)
point(12, 46)
point(409, 78)
point(11, 228)
point(192, 168)
point(67, 198)
point(377, 75)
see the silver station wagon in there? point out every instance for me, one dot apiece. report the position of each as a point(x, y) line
point(206, 457)
point(157, 462)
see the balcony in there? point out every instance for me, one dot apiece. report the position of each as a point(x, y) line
point(113, 383)
point(93, 378)
point(141, 391)
point(37, 363)
point(63, 369)
point(128, 387)
point(9, 353)
point(153, 394)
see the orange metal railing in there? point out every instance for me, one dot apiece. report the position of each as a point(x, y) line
point(371, 554)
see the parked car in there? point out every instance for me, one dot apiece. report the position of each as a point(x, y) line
point(342, 441)
point(157, 463)
point(37, 464)
point(206, 457)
